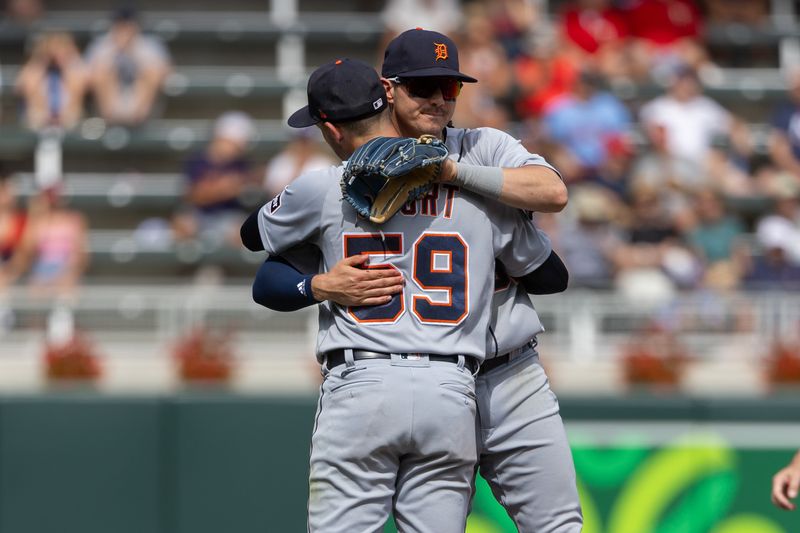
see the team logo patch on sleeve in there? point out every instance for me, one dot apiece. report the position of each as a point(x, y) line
point(275, 204)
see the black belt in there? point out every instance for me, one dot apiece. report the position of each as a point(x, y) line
point(500, 360)
point(494, 362)
point(336, 358)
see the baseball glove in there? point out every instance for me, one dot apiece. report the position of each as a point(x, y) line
point(385, 173)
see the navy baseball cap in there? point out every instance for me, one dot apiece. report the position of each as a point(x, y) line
point(341, 91)
point(421, 53)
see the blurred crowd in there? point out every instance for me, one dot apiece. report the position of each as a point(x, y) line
point(669, 190)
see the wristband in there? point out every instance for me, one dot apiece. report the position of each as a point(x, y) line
point(486, 181)
point(305, 289)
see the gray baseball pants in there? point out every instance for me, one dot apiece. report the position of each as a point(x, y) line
point(393, 435)
point(524, 452)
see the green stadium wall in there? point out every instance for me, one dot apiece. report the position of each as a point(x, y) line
point(195, 463)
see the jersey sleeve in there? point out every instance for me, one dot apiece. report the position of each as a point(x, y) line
point(518, 243)
point(294, 215)
point(502, 150)
point(305, 258)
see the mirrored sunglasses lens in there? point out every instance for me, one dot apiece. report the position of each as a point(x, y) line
point(426, 87)
point(422, 87)
point(450, 89)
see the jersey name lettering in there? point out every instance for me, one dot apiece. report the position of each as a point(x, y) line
point(433, 204)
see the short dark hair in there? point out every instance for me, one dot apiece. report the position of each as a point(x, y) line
point(363, 126)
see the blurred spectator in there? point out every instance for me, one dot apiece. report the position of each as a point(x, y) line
point(543, 73)
point(443, 16)
point(217, 178)
point(717, 236)
point(663, 34)
point(52, 83)
point(784, 141)
point(583, 124)
point(589, 245)
point(678, 178)
point(653, 256)
point(12, 219)
point(512, 21)
point(53, 249)
point(127, 70)
point(24, 12)
point(690, 120)
point(781, 227)
point(300, 155)
point(726, 165)
point(596, 31)
point(650, 223)
point(752, 13)
point(615, 173)
point(481, 104)
point(673, 176)
point(398, 16)
point(771, 268)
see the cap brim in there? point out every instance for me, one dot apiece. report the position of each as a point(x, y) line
point(437, 71)
point(302, 118)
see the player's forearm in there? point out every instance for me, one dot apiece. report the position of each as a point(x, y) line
point(531, 187)
point(534, 188)
point(280, 287)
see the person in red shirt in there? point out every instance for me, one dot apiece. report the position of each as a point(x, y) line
point(596, 32)
point(542, 75)
point(663, 33)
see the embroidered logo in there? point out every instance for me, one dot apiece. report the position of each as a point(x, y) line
point(377, 104)
point(441, 51)
point(275, 204)
point(302, 287)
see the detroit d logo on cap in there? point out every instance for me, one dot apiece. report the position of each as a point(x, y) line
point(441, 50)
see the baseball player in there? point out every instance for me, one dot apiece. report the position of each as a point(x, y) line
point(396, 416)
point(524, 452)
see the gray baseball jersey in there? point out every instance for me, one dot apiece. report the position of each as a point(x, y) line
point(445, 244)
point(524, 453)
point(514, 320)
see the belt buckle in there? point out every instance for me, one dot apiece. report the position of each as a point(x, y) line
point(414, 356)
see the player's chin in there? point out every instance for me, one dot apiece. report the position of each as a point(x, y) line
point(432, 124)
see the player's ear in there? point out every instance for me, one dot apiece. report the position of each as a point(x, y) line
point(331, 132)
point(335, 138)
point(389, 88)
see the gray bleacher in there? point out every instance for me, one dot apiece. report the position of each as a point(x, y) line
point(140, 296)
point(237, 55)
point(241, 55)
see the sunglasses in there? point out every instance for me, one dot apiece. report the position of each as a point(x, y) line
point(427, 87)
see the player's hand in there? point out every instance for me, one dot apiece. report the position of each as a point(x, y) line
point(449, 171)
point(347, 283)
point(786, 484)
